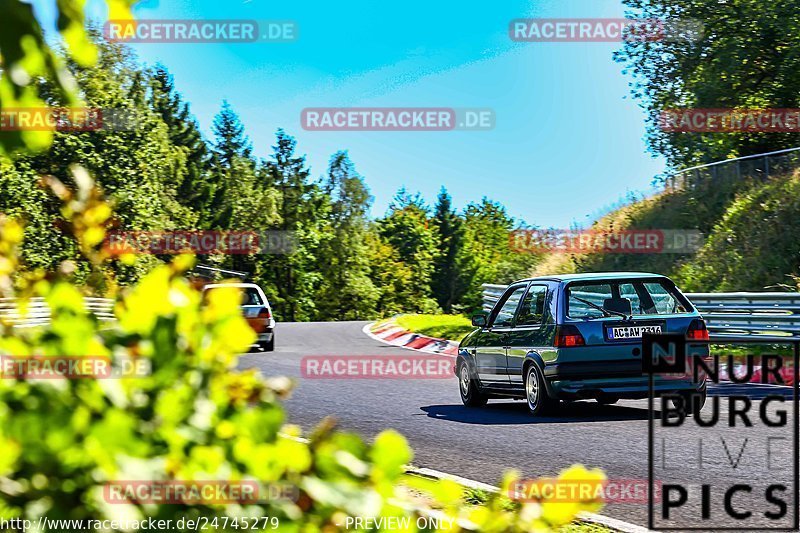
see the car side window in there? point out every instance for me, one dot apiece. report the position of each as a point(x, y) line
point(505, 315)
point(664, 303)
point(531, 313)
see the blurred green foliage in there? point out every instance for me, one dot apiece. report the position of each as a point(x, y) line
point(25, 58)
point(194, 415)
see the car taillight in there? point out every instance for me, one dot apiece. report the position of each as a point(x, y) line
point(568, 336)
point(697, 330)
point(264, 313)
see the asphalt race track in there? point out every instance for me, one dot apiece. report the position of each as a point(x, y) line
point(481, 444)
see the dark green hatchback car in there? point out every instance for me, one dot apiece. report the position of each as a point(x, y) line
point(574, 337)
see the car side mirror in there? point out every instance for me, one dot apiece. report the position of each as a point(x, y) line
point(479, 321)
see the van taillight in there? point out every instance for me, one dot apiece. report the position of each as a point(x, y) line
point(568, 336)
point(264, 313)
point(697, 330)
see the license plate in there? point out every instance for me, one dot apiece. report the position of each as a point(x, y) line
point(631, 332)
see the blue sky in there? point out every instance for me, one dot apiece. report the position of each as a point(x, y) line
point(567, 141)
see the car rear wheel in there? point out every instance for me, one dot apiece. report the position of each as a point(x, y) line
point(539, 401)
point(689, 399)
point(607, 400)
point(269, 345)
point(471, 395)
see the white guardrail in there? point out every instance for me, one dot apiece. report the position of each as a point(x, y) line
point(750, 314)
point(728, 314)
point(38, 313)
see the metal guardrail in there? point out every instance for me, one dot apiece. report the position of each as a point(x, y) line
point(760, 167)
point(38, 312)
point(729, 315)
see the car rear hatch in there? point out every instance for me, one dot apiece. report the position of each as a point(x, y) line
point(255, 309)
point(611, 346)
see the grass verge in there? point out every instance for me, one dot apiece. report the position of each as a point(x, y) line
point(472, 497)
point(451, 327)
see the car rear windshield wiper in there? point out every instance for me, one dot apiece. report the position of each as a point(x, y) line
point(606, 312)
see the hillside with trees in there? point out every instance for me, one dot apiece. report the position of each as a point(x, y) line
point(746, 59)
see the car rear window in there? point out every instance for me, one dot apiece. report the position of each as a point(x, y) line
point(250, 296)
point(638, 297)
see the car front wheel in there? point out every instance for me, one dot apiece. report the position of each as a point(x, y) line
point(471, 396)
point(539, 401)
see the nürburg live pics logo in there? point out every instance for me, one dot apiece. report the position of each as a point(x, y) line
point(732, 464)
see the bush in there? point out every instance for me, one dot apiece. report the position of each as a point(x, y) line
point(755, 245)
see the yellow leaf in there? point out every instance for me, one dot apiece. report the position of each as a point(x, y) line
point(120, 9)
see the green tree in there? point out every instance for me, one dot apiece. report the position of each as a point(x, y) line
point(446, 283)
point(233, 179)
point(231, 140)
point(239, 198)
point(194, 190)
point(134, 162)
point(487, 256)
point(347, 292)
point(745, 57)
point(392, 277)
point(303, 210)
point(411, 235)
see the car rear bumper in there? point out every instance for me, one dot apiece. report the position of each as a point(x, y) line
point(613, 371)
point(618, 387)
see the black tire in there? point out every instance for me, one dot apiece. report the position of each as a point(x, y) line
point(607, 400)
point(471, 395)
point(689, 399)
point(537, 398)
point(269, 345)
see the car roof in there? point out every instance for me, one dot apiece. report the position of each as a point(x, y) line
point(236, 285)
point(593, 276)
